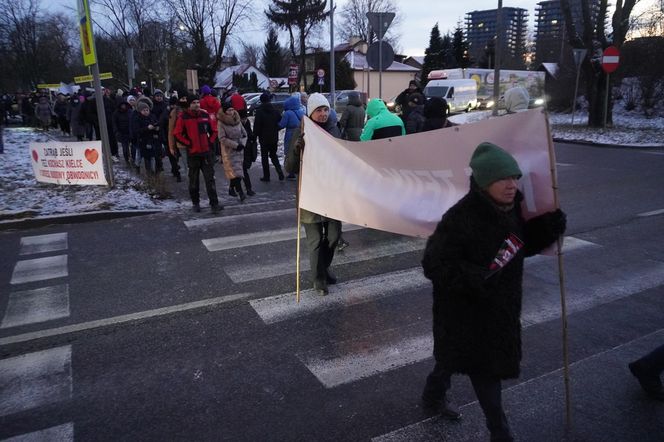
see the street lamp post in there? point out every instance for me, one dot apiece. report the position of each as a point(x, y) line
point(496, 58)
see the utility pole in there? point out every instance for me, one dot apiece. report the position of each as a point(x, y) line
point(496, 58)
point(333, 85)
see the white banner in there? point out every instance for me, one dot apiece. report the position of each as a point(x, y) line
point(404, 184)
point(79, 163)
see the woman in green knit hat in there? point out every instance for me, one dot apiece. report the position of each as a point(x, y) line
point(475, 262)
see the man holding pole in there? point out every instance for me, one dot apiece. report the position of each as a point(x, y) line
point(475, 262)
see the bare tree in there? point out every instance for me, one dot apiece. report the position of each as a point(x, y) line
point(592, 36)
point(354, 22)
point(250, 53)
point(209, 23)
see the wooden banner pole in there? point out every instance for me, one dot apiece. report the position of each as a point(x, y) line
point(561, 278)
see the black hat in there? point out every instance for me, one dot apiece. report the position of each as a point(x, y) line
point(192, 97)
point(265, 97)
point(226, 104)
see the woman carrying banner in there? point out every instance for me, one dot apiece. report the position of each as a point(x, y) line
point(475, 262)
point(322, 232)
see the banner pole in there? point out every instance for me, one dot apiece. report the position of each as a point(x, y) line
point(299, 221)
point(561, 280)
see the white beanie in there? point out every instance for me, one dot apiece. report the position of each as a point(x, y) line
point(130, 98)
point(315, 101)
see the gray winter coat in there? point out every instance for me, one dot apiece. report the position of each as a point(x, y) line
point(231, 134)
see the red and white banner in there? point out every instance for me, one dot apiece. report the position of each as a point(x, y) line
point(405, 184)
point(79, 163)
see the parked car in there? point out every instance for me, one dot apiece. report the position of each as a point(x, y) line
point(277, 101)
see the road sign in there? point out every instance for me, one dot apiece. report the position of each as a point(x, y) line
point(48, 86)
point(86, 78)
point(610, 59)
point(374, 53)
point(292, 74)
point(274, 84)
point(380, 21)
point(320, 73)
point(579, 55)
point(85, 31)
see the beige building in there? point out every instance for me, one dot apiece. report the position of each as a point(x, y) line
point(394, 79)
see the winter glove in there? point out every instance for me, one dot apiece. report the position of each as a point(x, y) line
point(557, 222)
point(240, 147)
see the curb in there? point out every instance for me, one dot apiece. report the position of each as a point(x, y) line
point(617, 146)
point(69, 218)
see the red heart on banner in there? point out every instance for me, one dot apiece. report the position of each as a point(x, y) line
point(91, 155)
point(35, 156)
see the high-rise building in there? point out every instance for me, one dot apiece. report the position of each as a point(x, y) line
point(550, 33)
point(481, 31)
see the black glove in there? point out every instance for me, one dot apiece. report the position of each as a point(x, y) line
point(557, 221)
point(240, 147)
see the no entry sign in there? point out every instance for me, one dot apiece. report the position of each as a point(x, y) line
point(610, 59)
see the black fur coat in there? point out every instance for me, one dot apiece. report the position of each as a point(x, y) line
point(476, 313)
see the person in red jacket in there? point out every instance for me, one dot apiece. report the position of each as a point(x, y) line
point(239, 104)
point(196, 130)
point(209, 104)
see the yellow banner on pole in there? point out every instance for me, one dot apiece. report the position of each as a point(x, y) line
point(48, 86)
point(86, 78)
point(85, 29)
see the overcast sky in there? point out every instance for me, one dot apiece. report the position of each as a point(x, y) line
point(418, 17)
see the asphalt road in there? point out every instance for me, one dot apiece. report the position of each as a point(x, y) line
point(182, 326)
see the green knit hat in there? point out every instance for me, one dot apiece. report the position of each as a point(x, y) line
point(491, 163)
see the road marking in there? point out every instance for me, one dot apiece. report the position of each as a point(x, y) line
point(40, 269)
point(35, 379)
point(564, 164)
point(256, 238)
point(122, 319)
point(432, 429)
point(282, 307)
point(223, 220)
point(354, 366)
point(651, 153)
point(43, 243)
point(606, 286)
point(38, 305)
point(653, 213)
point(61, 433)
point(257, 271)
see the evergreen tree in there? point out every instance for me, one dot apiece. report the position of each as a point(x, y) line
point(447, 60)
point(432, 54)
point(460, 48)
point(300, 15)
point(274, 64)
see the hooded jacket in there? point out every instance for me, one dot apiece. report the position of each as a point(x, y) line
point(291, 117)
point(415, 121)
point(476, 310)
point(382, 123)
point(352, 120)
point(266, 125)
point(210, 104)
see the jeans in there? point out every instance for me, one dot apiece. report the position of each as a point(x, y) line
point(184, 167)
point(322, 239)
point(197, 164)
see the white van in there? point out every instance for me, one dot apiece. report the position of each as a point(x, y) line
point(461, 95)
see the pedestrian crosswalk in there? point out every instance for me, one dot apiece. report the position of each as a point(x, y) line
point(377, 346)
point(40, 378)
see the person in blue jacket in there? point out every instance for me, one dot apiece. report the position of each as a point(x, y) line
point(290, 120)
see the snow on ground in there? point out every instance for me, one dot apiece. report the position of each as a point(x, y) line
point(22, 196)
point(629, 128)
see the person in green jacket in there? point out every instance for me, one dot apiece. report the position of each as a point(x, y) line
point(382, 123)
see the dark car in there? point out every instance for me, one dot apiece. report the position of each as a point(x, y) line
point(277, 101)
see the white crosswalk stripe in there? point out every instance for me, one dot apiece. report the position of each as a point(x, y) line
point(43, 243)
point(38, 305)
point(230, 219)
point(61, 433)
point(40, 269)
point(255, 271)
point(35, 379)
point(259, 238)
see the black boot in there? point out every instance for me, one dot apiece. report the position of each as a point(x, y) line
point(231, 191)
